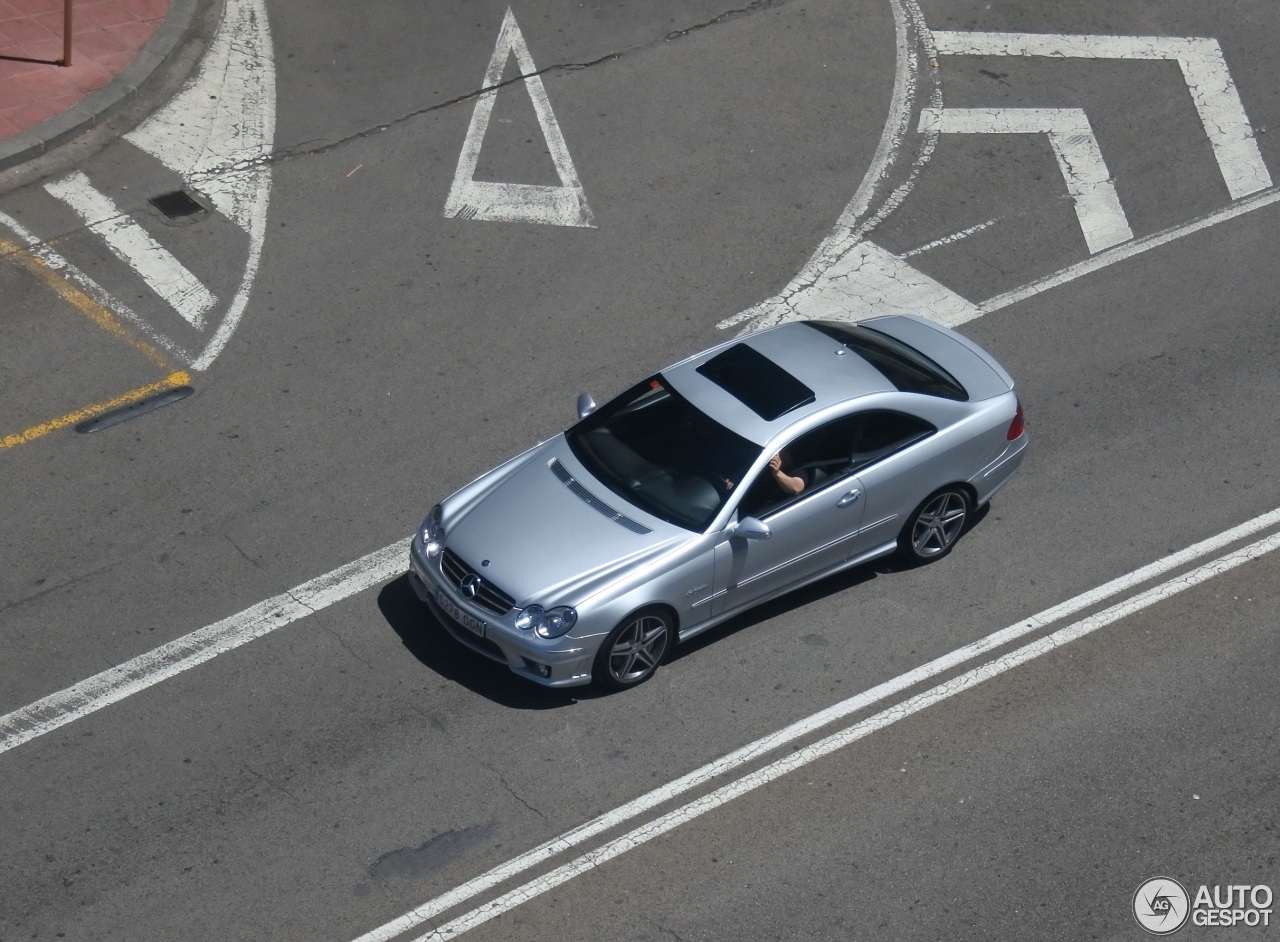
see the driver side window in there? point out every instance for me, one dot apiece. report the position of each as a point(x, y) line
point(827, 454)
point(810, 463)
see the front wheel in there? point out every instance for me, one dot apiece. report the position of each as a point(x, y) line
point(933, 529)
point(633, 650)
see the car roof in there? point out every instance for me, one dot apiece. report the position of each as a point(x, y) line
point(823, 367)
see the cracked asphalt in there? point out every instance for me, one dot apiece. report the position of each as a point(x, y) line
point(328, 777)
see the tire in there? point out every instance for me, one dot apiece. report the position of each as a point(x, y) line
point(935, 526)
point(634, 649)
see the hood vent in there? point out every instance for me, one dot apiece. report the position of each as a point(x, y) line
point(569, 481)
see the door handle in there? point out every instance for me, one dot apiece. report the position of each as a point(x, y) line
point(849, 498)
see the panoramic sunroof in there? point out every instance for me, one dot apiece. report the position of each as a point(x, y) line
point(760, 384)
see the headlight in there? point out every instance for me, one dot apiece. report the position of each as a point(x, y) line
point(433, 533)
point(547, 622)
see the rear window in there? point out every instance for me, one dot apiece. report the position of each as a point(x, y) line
point(905, 367)
point(756, 381)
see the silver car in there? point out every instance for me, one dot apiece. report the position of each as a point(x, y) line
point(731, 477)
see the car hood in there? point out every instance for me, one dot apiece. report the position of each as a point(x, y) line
point(542, 530)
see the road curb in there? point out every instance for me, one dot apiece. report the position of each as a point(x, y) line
point(106, 101)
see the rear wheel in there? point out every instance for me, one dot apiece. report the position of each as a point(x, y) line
point(932, 530)
point(633, 650)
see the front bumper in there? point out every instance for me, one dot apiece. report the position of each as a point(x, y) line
point(550, 663)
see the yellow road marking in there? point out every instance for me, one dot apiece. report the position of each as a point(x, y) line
point(82, 302)
point(172, 381)
point(102, 318)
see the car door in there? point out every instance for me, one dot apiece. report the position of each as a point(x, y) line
point(809, 533)
point(896, 465)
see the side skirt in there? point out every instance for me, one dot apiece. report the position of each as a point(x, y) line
point(882, 550)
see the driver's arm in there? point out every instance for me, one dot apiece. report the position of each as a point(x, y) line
point(789, 483)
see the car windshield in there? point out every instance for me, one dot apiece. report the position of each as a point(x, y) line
point(652, 448)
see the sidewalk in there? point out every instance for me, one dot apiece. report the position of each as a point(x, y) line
point(116, 45)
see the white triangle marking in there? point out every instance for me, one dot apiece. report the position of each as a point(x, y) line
point(564, 205)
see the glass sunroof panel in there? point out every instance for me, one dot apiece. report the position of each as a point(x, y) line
point(756, 381)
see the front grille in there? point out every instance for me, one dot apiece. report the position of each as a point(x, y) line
point(488, 596)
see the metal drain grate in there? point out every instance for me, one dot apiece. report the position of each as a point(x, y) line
point(177, 204)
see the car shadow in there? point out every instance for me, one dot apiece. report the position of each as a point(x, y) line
point(426, 639)
point(799, 598)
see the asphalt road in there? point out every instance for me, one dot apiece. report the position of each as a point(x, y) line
point(323, 780)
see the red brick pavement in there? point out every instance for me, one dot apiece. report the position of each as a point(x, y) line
point(106, 36)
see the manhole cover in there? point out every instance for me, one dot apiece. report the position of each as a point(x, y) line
point(177, 204)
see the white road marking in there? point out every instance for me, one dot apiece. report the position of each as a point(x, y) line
point(954, 237)
point(148, 669)
point(1098, 209)
point(136, 247)
point(168, 660)
point(43, 251)
point(909, 32)
point(564, 205)
point(888, 285)
point(803, 756)
point(217, 135)
point(838, 283)
point(858, 217)
point(869, 281)
point(1204, 68)
point(429, 910)
point(1128, 250)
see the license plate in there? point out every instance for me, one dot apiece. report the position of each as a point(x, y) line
point(474, 625)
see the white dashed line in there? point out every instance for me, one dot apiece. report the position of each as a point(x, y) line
point(954, 237)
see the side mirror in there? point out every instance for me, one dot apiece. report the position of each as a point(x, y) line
point(749, 528)
point(586, 405)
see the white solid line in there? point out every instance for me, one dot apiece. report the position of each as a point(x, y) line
point(809, 724)
point(842, 738)
point(257, 223)
point(870, 280)
point(849, 229)
point(564, 205)
point(901, 102)
point(1128, 250)
point(182, 654)
point(134, 246)
point(1098, 209)
point(1209, 82)
point(924, 38)
point(56, 262)
point(217, 135)
point(1204, 69)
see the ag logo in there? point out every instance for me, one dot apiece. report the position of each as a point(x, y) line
point(1161, 906)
